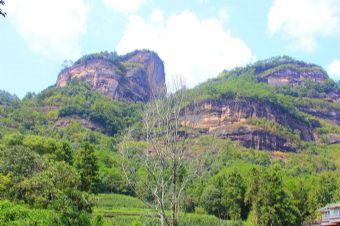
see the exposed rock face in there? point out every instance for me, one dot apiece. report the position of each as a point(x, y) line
point(228, 118)
point(283, 70)
point(332, 115)
point(65, 121)
point(258, 139)
point(288, 71)
point(290, 75)
point(137, 76)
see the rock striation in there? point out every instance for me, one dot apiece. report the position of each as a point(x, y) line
point(137, 76)
point(331, 114)
point(232, 119)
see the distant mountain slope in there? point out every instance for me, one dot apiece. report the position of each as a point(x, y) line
point(275, 104)
point(279, 104)
point(137, 76)
point(283, 70)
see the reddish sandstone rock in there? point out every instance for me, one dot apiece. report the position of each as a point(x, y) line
point(232, 119)
point(137, 76)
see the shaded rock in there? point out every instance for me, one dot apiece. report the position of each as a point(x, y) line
point(329, 114)
point(257, 139)
point(65, 121)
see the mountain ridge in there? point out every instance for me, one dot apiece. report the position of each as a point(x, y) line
point(238, 105)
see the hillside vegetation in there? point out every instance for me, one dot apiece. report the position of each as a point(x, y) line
point(61, 164)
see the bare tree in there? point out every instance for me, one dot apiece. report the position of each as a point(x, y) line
point(167, 136)
point(2, 13)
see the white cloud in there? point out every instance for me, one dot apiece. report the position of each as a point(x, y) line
point(124, 5)
point(303, 21)
point(52, 28)
point(305, 44)
point(334, 69)
point(190, 47)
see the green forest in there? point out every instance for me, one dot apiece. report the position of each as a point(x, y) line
point(169, 113)
point(71, 156)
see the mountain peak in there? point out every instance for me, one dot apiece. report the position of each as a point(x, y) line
point(136, 76)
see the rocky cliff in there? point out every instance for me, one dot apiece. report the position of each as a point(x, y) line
point(275, 104)
point(292, 74)
point(250, 122)
point(283, 71)
point(137, 76)
point(329, 113)
point(248, 105)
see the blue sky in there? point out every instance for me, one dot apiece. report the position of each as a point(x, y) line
point(196, 39)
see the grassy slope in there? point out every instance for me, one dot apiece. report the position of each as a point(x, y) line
point(121, 210)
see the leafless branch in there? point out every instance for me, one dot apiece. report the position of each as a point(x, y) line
point(2, 2)
point(167, 137)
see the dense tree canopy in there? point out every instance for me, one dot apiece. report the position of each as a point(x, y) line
point(88, 168)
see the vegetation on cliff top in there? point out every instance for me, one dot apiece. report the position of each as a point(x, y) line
point(244, 86)
point(264, 67)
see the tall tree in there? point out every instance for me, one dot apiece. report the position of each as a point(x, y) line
point(64, 152)
point(271, 203)
point(211, 200)
point(166, 129)
point(253, 193)
point(300, 192)
point(233, 195)
point(323, 193)
point(88, 168)
point(276, 206)
point(326, 188)
point(2, 2)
